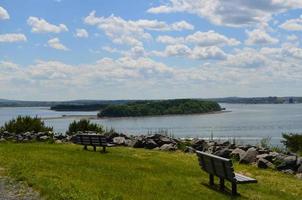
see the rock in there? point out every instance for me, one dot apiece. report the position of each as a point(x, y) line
point(237, 154)
point(249, 156)
point(138, 143)
point(189, 150)
point(150, 144)
point(265, 156)
point(2, 139)
point(263, 163)
point(44, 137)
point(119, 140)
point(168, 147)
point(289, 162)
point(225, 153)
point(199, 144)
point(288, 171)
point(58, 142)
point(299, 176)
point(299, 170)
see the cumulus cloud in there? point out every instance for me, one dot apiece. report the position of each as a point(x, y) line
point(39, 25)
point(292, 24)
point(132, 32)
point(13, 37)
point(81, 33)
point(230, 13)
point(209, 38)
point(56, 44)
point(260, 37)
point(3, 14)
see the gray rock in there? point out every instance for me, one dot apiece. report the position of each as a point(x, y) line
point(44, 137)
point(289, 162)
point(199, 144)
point(299, 170)
point(2, 139)
point(58, 142)
point(138, 143)
point(168, 147)
point(263, 163)
point(249, 156)
point(150, 144)
point(299, 176)
point(265, 156)
point(119, 140)
point(288, 171)
point(237, 154)
point(225, 153)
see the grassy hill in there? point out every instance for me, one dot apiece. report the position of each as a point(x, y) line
point(64, 171)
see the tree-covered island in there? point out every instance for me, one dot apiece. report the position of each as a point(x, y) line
point(160, 107)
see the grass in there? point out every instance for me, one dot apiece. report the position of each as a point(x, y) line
point(62, 171)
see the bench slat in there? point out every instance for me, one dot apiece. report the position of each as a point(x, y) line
point(244, 179)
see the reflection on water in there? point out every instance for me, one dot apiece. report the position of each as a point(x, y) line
point(245, 122)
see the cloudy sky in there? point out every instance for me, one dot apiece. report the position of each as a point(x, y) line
point(149, 49)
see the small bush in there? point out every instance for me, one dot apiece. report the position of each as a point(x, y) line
point(25, 124)
point(293, 141)
point(84, 125)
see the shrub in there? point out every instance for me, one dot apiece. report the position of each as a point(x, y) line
point(25, 124)
point(84, 125)
point(293, 141)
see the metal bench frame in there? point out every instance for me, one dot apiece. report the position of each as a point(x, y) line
point(222, 168)
point(92, 140)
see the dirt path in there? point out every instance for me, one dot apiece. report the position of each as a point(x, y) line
point(12, 190)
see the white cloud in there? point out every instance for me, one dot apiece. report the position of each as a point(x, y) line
point(13, 37)
point(230, 13)
point(81, 33)
point(166, 39)
point(259, 37)
point(132, 32)
point(292, 24)
point(292, 38)
point(40, 25)
point(56, 44)
point(3, 14)
point(208, 53)
point(211, 38)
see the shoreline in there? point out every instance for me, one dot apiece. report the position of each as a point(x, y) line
point(95, 117)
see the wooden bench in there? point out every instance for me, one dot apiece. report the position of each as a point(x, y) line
point(92, 140)
point(222, 168)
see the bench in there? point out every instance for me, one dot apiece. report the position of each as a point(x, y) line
point(92, 140)
point(223, 169)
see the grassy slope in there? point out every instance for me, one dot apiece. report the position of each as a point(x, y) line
point(68, 172)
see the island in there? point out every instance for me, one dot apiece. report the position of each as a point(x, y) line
point(160, 107)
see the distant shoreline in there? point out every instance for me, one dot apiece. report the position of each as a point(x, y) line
point(94, 117)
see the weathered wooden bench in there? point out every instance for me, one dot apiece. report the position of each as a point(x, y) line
point(92, 140)
point(223, 169)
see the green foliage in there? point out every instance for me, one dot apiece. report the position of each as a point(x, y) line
point(84, 125)
point(67, 172)
point(24, 124)
point(265, 142)
point(161, 107)
point(293, 141)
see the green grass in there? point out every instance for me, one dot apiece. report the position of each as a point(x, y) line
point(61, 171)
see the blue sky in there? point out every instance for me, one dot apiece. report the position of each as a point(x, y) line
point(142, 49)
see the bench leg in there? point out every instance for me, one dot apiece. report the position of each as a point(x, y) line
point(234, 188)
point(221, 183)
point(94, 148)
point(104, 149)
point(211, 179)
point(85, 147)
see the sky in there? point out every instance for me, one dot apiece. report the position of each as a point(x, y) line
point(149, 49)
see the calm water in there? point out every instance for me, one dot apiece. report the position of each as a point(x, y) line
point(248, 123)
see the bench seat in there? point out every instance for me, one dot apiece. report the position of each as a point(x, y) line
point(244, 179)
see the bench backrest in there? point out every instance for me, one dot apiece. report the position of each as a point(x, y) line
point(216, 165)
point(94, 140)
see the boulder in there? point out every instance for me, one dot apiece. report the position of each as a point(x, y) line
point(199, 144)
point(189, 150)
point(138, 143)
point(299, 170)
point(289, 162)
point(288, 171)
point(237, 154)
point(299, 176)
point(225, 153)
point(263, 163)
point(249, 156)
point(119, 140)
point(58, 142)
point(265, 156)
point(150, 144)
point(168, 147)
point(2, 139)
point(44, 137)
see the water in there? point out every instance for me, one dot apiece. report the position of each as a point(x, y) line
point(247, 123)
